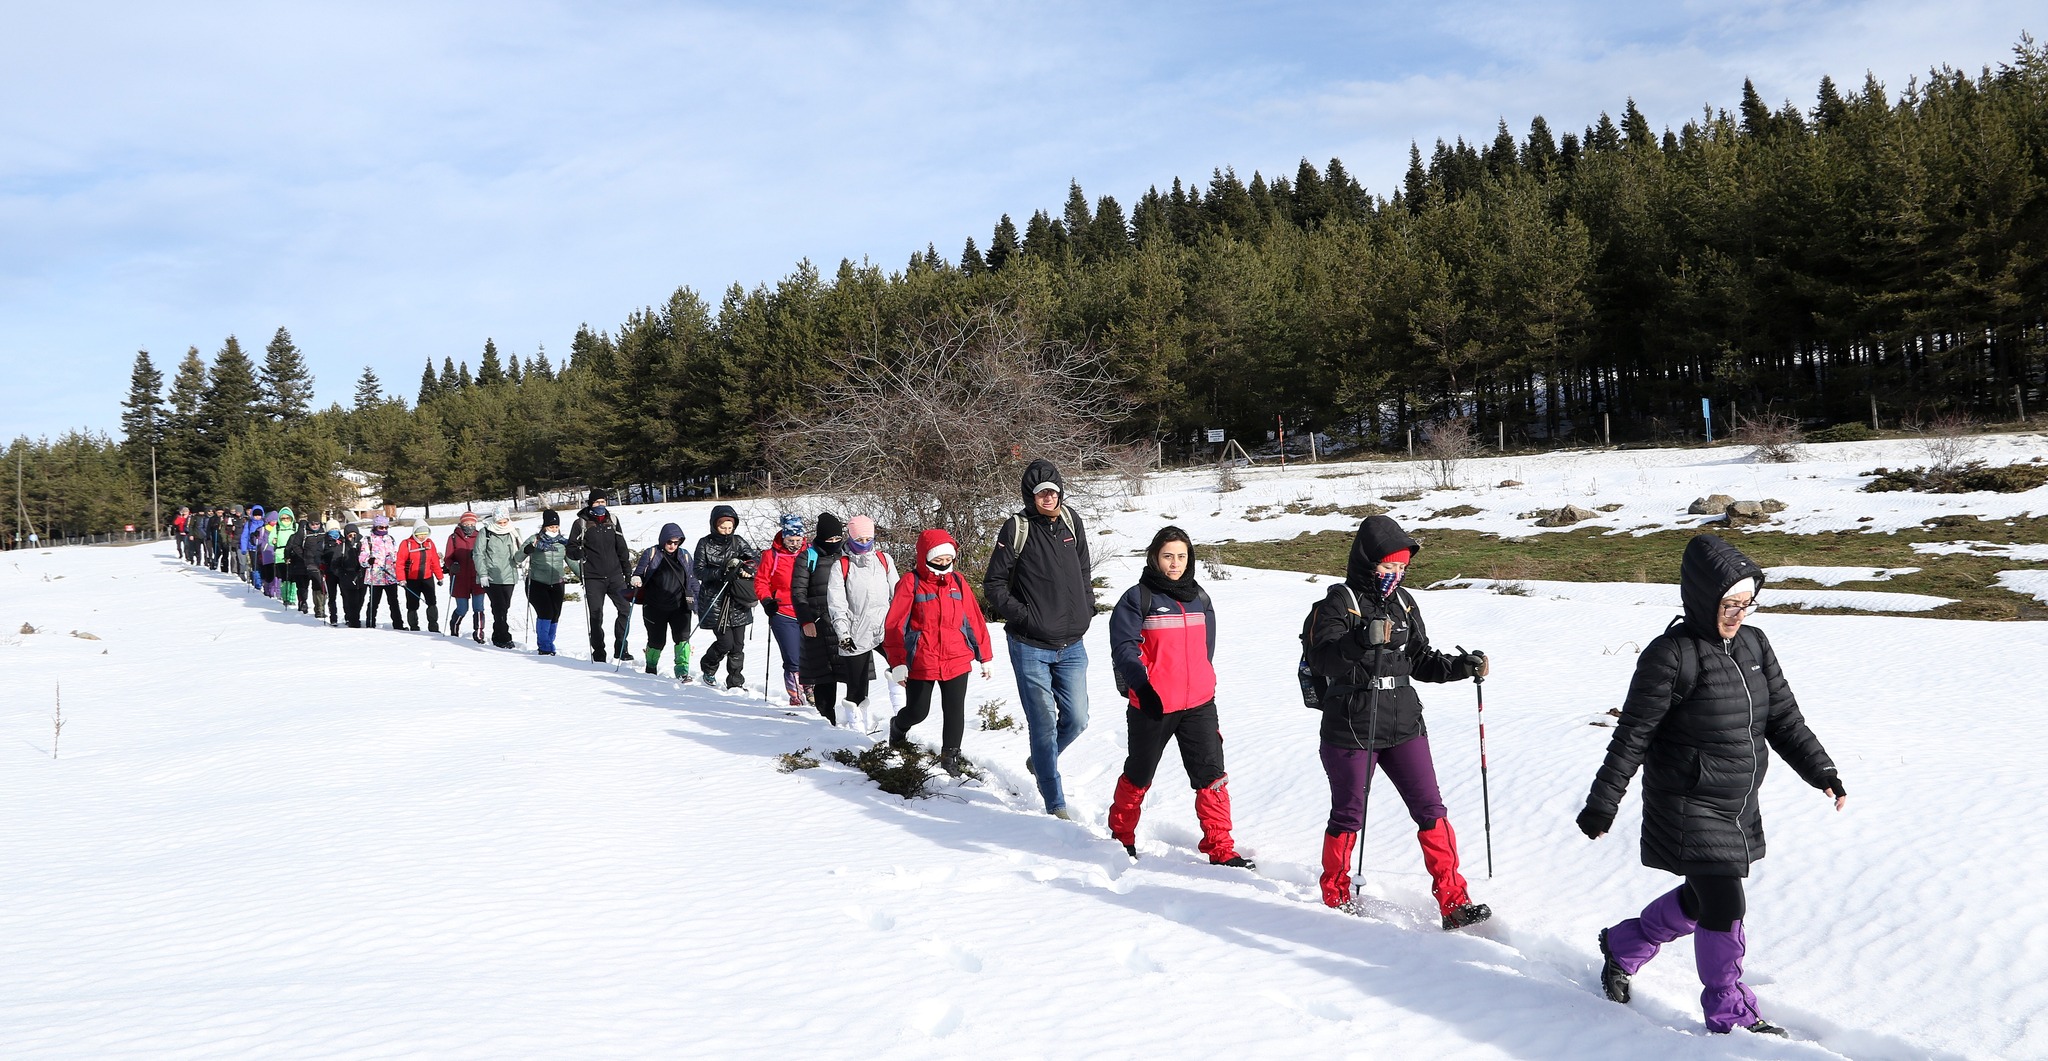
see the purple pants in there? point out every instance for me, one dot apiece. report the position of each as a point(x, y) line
point(1407, 765)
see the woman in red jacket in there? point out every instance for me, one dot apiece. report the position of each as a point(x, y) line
point(465, 589)
point(419, 571)
point(771, 588)
point(934, 635)
point(1162, 639)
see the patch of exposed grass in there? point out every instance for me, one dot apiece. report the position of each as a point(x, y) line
point(1596, 555)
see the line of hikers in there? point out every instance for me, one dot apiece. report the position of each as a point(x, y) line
point(1707, 698)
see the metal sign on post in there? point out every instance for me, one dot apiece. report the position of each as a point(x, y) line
point(1707, 414)
point(1216, 434)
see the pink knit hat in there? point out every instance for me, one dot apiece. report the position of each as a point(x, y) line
point(860, 527)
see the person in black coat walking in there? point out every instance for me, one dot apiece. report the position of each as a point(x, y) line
point(1707, 697)
point(725, 592)
point(599, 554)
point(1040, 584)
point(1367, 640)
point(345, 559)
point(668, 598)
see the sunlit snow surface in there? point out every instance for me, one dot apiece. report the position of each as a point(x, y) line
point(264, 838)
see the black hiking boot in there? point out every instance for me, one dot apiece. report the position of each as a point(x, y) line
point(1612, 980)
point(1236, 862)
point(1468, 914)
point(1764, 1027)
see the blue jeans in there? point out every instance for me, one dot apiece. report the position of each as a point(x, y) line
point(462, 607)
point(1053, 683)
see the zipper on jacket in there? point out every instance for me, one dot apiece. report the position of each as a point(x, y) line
point(1727, 649)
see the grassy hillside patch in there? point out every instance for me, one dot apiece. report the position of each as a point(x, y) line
point(1600, 556)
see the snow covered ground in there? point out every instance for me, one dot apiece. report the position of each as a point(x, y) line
point(263, 838)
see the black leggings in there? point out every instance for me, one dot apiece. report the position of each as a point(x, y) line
point(546, 600)
point(1715, 902)
point(918, 704)
point(1195, 729)
point(388, 594)
point(501, 614)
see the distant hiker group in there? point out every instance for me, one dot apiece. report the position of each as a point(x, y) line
point(1707, 698)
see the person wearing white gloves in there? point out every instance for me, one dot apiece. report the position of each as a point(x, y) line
point(858, 586)
point(933, 637)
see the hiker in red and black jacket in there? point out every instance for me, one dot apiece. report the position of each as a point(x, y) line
point(933, 637)
point(1162, 641)
point(771, 588)
point(1367, 640)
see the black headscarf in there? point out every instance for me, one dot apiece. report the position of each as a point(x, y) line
point(1182, 589)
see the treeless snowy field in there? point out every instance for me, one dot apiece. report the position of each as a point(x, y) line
point(260, 837)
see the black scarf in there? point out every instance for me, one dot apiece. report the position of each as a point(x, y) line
point(1182, 589)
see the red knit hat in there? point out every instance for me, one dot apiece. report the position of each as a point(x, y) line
point(1397, 557)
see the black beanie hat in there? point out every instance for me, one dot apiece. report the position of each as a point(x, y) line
point(830, 526)
point(550, 518)
point(594, 496)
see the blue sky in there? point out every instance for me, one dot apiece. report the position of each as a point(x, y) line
point(395, 182)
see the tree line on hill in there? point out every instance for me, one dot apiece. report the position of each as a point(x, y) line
point(1871, 251)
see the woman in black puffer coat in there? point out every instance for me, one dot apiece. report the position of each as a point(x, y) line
point(1707, 697)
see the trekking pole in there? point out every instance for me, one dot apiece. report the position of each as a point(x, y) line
point(1485, 797)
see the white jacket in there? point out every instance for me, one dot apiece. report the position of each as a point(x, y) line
point(857, 594)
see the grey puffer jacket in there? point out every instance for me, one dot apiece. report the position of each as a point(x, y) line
point(858, 590)
point(1700, 711)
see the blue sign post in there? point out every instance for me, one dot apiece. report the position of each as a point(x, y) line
point(1707, 414)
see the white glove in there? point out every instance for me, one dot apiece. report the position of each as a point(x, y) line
point(636, 581)
point(986, 674)
point(899, 674)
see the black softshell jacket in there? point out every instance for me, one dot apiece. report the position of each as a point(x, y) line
point(1357, 713)
point(1700, 712)
point(1043, 594)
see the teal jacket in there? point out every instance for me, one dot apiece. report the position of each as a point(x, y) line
point(548, 559)
point(497, 556)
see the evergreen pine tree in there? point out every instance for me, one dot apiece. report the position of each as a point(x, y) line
point(489, 371)
point(450, 382)
point(186, 457)
point(430, 386)
point(287, 385)
point(463, 379)
point(233, 400)
point(1076, 216)
point(1539, 153)
point(1150, 222)
point(1568, 151)
point(1311, 201)
point(1003, 245)
point(1635, 129)
point(142, 414)
point(1756, 118)
point(1501, 155)
point(369, 389)
point(1830, 112)
point(1604, 135)
point(971, 261)
point(1415, 185)
point(513, 373)
point(540, 366)
point(1109, 236)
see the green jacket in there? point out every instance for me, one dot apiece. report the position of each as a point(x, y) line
point(548, 560)
point(497, 557)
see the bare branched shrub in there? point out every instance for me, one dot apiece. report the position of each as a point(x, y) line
point(1773, 438)
point(933, 427)
point(1129, 465)
point(1948, 441)
point(1212, 564)
point(1227, 480)
point(1446, 446)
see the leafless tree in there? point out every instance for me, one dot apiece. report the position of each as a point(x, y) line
point(1773, 438)
point(933, 428)
point(1948, 441)
point(1446, 447)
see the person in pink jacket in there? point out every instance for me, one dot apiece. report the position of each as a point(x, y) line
point(934, 635)
point(380, 571)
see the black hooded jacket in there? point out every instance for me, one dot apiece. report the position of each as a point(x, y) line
point(599, 546)
point(1370, 702)
point(1042, 593)
point(725, 574)
point(1699, 713)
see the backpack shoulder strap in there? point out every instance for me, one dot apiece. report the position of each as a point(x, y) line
point(1144, 601)
point(845, 566)
point(1020, 531)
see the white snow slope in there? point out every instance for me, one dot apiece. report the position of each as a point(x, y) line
point(259, 837)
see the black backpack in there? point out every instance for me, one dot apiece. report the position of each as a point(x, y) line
point(1314, 686)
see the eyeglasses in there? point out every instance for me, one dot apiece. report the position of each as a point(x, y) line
point(1738, 608)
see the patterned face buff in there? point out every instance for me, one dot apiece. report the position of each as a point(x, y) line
point(1387, 583)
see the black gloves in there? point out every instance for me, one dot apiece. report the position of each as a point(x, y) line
point(1468, 665)
point(1374, 633)
point(732, 564)
point(1148, 701)
point(1834, 785)
point(1593, 822)
point(772, 605)
point(846, 644)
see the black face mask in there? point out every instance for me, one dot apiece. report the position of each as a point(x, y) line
point(940, 569)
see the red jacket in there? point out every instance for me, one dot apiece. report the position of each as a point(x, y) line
point(771, 575)
point(417, 558)
point(935, 626)
point(460, 552)
point(1159, 642)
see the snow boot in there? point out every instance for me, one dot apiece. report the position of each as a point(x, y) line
point(479, 634)
point(1725, 999)
point(952, 764)
point(1631, 944)
point(1613, 980)
point(654, 660)
point(683, 662)
point(1440, 856)
point(1336, 879)
point(1124, 809)
point(793, 690)
point(1212, 810)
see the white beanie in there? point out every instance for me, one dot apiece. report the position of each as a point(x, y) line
point(1747, 585)
point(419, 525)
point(943, 550)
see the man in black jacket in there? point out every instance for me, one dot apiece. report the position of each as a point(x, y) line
point(1038, 584)
point(725, 576)
point(599, 554)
